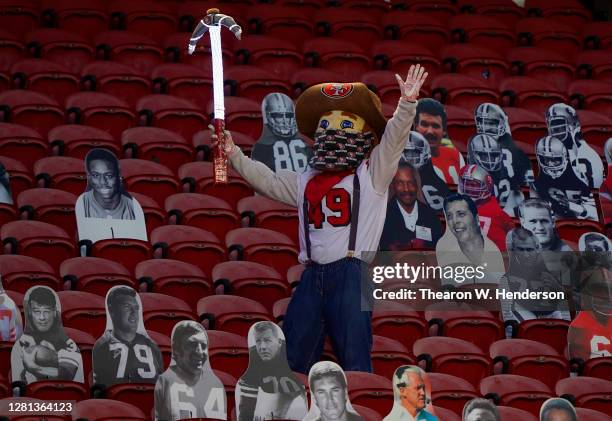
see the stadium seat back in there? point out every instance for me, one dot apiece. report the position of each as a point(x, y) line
point(370, 390)
point(66, 48)
point(186, 81)
point(94, 274)
point(29, 108)
point(61, 172)
point(45, 76)
point(127, 252)
point(158, 145)
point(450, 392)
point(64, 390)
point(72, 140)
point(551, 332)
point(106, 410)
point(266, 213)
point(83, 311)
point(20, 273)
point(228, 352)
point(172, 113)
point(149, 178)
point(231, 313)
point(49, 205)
point(132, 49)
point(116, 79)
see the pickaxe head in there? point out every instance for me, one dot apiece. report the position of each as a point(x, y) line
point(213, 18)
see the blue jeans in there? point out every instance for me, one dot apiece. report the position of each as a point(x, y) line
point(328, 301)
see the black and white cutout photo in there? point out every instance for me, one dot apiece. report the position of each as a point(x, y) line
point(6, 195)
point(280, 146)
point(329, 394)
point(125, 353)
point(106, 210)
point(411, 395)
point(480, 409)
point(44, 351)
point(268, 389)
point(189, 388)
point(11, 325)
point(558, 409)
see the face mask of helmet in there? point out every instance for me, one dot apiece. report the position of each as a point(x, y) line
point(559, 128)
point(280, 115)
point(416, 152)
point(486, 152)
point(551, 154)
point(337, 150)
point(489, 126)
point(474, 182)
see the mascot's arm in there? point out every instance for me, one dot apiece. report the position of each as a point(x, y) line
point(386, 156)
point(281, 186)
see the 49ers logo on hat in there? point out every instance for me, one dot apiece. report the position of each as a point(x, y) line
point(337, 90)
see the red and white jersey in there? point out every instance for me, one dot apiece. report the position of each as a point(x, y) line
point(330, 224)
point(494, 222)
point(448, 163)
point(10, 319)
point(588, 338)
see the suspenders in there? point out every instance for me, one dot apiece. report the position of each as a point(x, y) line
point(354, 220)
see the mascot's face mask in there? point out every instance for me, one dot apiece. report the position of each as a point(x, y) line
point(342, 140)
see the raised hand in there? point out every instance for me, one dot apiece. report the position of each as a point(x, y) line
point(229, 145)
point(412, 85)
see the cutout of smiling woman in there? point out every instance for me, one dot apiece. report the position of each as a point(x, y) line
point(44, 351)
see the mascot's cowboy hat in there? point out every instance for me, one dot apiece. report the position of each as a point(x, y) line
point(352, 97)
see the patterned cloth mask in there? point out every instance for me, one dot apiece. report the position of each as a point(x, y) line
point(337, 150)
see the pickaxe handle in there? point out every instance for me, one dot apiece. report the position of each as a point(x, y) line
point(219, 155)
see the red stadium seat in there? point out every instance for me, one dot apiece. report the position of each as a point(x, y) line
point(462, 91)
point(164, 344)
point(94, 274)
point(202, 144)
point(85, 19)
point(229, 384)
point(570, 12)
point(185, 81)
point(572, 230)
point(418, 28)
point(279, 56)
point(548, 34)
point(189, 244)
point(478, 327)
point(20, 146)
point(154, 215)
point(64, 390)
point(460, 126)
point(527, 127)
point(346, 58)
point(367, 414)
point(450, 392)
point(198, 177)
point(173, 277)
point(107, 410)
point(161, 312)
point(158, 145)
point(136, 50)
point(61, 172)
point(19, 17)
point(348, 24)
point(85, 341)
point(279, 309)
point(45, 76)
point(20, 273)
point(267, 213)
point(11, 49)
point(262, 246)
point(529, 93)
point(388, 354)
point(400, 322)
point(83, 311)
point(530, 359)
point(482, 30)
point(501, 10)
point(551, 332)
point(597, 35)
point(591, 95)
point(229, 353)
point(585, 414)
point(231, 313)
point(249, 279)
point(596, 129)
point(149, 178)
point(595, 65)
point(598, 367)
point(287, 23)
point(33, 109)
point(128, 252)
point(6, 409)
point(173, 113)
point(175, 51)
point(453, 356)
point(148, 18)
point(294, 273)
point(370, 390)
point(116, 79)
point(37, 239)
point(398, 56)
point(442, 10)
point(103, 111)
point(516, 391)
point(141, 395)
point(476, 61)
point(308, 76)
point(384, 84)
point(587, 392)
point(508, 413)
point(49, 205)
point(242, 115)
point(75, 140)
point(542, 64)
point(445, 414)
point(66, 48)
point(253, 82)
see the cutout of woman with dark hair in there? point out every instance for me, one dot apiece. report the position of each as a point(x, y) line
point(189, 388)
point(105, 210)
point(268, 389)
point(44, 351)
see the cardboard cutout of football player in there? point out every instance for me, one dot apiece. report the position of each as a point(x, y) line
point(329, 394)
point(6, 196)
point(106, 210)
point(605, 190)
point(268, 389)
point(596, 250)
point(44, 351)
point(280, 146)
point(189, 388)
point(11, 325)
point(558, 409)
point(480, 409)
point(125, 353)
point(411, 396)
